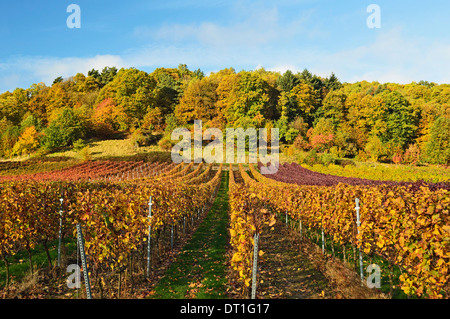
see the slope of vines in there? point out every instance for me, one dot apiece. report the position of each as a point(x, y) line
point(114, 216)
point(410, 229)
point(295, 174)
point(247, 216)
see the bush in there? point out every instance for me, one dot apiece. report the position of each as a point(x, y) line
point(64, 131)
point(412, 155)
point(397, 158)
point(143, 137)
point(327, 159)
point(344, 162)
point(79, 144)
point(374, 148)
point(137, 137)
point(85, 154)
point(166, 143)
point(312, 158)
point(362, 156)
point(301, 143)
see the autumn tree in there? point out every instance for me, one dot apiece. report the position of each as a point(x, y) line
point(154, 120)
point(334, 107)
point(374, 148)
point(38, 101)
point(438, 148)
point(306, 101)
point(287, 81)
point(56, 99)
point(322, 135)
point(198, 101)
point(31, 120)
point(64, 130)
point(13, 105)
point(133, 90)
point(28, 142)
point(243, 99)
point(9, 135)
point(401, 120)
point(109, 118)
point(169, 88)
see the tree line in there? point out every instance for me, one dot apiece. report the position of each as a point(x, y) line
point(364, 120)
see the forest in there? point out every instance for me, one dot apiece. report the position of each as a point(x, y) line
point(384, 122)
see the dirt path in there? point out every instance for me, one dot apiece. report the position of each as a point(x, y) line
point(286, 272)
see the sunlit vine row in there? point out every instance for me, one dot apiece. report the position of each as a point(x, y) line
point(410, 229)
point(247, 216)
point(114, 216)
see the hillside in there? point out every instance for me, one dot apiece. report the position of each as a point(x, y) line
point(400, 123)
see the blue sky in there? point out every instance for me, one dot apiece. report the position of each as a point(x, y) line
point(324, 36)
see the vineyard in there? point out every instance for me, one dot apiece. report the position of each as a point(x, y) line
point(406, 224)
point(136, 215)
point(385, 172)
point(111, 201)
point(296, 174)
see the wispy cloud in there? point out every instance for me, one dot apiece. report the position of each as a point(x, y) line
point(391, 57)
point(260, 26)
point(258, 35)
point(34, 69)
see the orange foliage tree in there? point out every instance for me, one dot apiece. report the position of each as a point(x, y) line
point(109, 117)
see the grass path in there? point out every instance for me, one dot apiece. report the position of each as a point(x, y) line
point(286, 272)
point(200, 268)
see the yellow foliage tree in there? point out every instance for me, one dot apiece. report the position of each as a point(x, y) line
point(28, 142)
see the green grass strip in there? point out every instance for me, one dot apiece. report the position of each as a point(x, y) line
point(199, 272)
point(19, 267)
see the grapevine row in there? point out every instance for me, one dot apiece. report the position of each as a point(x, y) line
point(114, 216)
point(410, 229)
point(247, 216)
point(97, 170)
point(295, 174)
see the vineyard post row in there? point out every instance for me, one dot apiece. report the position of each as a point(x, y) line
point(323, 242)
point(184, 178)
point(408, 229)
point(111, 213)
point(81, 247)
point(179, 174)
point(149, 235)
point(358, 225)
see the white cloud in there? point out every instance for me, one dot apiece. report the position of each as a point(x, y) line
point(10, 82)
point(46, 69)
point(253, 27)
point(390, 57)
point(282, 68)
point(254, 31)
